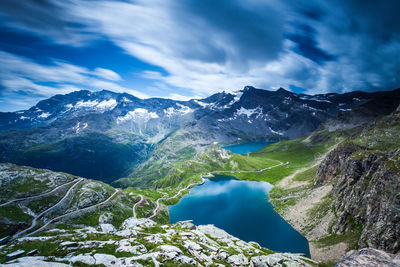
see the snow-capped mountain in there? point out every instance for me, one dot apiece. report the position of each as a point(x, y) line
point(79, 131)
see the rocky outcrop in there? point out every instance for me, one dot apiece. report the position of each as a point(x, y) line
point(143, 243)
point(369, 258)
point(367, 195)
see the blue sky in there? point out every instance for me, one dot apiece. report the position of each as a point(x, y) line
point(191, 48)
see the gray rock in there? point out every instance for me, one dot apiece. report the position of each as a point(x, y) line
point(107, 228)
point(106, 217)
point(368, 257)
point(238, 260)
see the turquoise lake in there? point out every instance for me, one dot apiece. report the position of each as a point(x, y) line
point(244, 148)
point(241, 208)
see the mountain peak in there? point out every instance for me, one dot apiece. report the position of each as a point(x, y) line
point(248, 87)
point(282, 90)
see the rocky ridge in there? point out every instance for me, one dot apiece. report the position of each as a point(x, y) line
point(180, 244)
point(106, 136)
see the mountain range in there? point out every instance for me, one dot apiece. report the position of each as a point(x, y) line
point(107, 136)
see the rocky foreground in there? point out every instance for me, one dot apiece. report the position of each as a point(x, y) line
point(141, 242)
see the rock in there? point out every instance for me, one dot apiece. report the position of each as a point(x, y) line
point(69, 244)
point(107, 228)
point(265, 260)
point(187, 224)
point(105, 259)
point(33, 261)
point(132, 223)
point(366, 193)
point(32, 252)
point(90, 193)
point(126, 246)
point(238, 260)
point(106, 217)
point(369, 257)
point(15, 254)
point(192, 245)
point(155, 239)
point(213, 231)
point(169, 252)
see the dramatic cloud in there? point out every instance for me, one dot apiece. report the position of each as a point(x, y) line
point(23, 81)
point(195, 48)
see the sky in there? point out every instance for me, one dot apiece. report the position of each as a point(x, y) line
point(194, 48)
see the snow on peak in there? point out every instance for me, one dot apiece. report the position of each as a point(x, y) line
point(126, 100)
point(44, 115)
point(107, 104)
point(138, 114)
point(249, 112)
point(80, 127)
point(183, 110)
point(202, 104)
point(103, 105)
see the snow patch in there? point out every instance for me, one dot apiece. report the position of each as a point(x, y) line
point(126, 100)
point(183, 110)
point(202, 104)
point(107, 104)
point(139, 114)
point(103, 105)
point(249, 112)
point(44, 115)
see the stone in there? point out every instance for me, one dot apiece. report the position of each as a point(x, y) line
point(369, 257)
point(69, 244)
point(192, 245)
point(107, 228)
point(106, 217)
point(238, 260)
point(213, 231)
point(132, 223)
point(32, 261)
point(15, 254)
point(170, 252)
point(187, 224)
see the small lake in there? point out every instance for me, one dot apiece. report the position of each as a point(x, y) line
point(244, 148)
point(242, 209)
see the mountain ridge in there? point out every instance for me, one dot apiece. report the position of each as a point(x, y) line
point(57, 128)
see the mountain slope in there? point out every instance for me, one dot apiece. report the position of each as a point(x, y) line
point(66, 219)
point(349, 199)
point(115, 135)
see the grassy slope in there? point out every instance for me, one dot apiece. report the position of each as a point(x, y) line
point(377, 137)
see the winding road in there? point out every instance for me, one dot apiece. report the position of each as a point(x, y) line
point(174, 196)
point(137, 203)
point(154, 213)
point(34, 221)
point(203, 180)
point(36, 196)
point(72, 212)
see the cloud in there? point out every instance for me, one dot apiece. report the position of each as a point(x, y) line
point(201, 47)
point(46, 18)
point(30, 81)
point(106, 74)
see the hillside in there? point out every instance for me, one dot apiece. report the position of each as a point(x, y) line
point(107, 136)
point(349, 198)
point(66, 219)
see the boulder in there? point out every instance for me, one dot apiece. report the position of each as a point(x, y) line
point(106, 217)
point(107, 228)
point(238, 260)
point(369, 257)
point(213, 231)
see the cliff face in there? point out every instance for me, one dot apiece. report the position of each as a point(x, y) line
point(369, 258)
point(366, 189)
